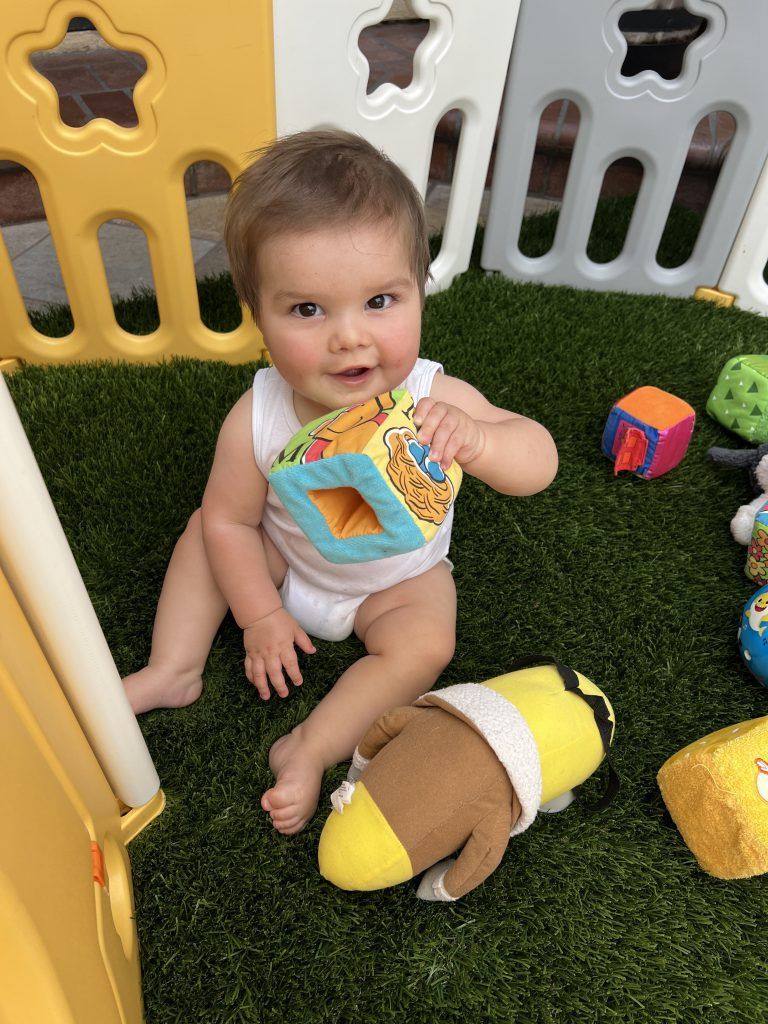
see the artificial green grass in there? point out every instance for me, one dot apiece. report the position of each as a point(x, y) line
point(637, 584)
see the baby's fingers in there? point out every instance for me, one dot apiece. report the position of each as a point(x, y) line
point(301, 639)
point(256, 674)
point(291, 666)
point(422, 410)
point(275, 670)
point(444, 439)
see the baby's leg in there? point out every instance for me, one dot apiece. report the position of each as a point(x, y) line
point(189, 612)
point(409, 633)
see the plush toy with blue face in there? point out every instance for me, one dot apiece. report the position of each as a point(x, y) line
point(753, 635)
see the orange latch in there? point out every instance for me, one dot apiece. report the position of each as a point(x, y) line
point(632, 449)
point(97, 859)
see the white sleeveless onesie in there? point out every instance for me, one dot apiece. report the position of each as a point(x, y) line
point(322, 596)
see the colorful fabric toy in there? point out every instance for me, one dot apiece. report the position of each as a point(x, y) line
point(648, 432)
point(466, 766)
point(757, 553)
point(739, 399)
point(716, 790)
point(360, 484)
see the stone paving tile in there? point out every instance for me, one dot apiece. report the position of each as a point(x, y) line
point(72, 112)
point(71, 78)
point(206, 216)
point(122, 73)
point(38, 273)
point(214, 262)
point(126, 259)
point(21, 237)
point(115, 106)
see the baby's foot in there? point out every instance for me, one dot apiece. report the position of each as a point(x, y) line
point(298, 773)
point(154, 687)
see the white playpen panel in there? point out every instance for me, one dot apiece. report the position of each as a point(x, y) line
point(321, 77)
point(743, 275)
point(575, 51)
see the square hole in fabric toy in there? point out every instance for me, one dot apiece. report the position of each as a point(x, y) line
point(346, 512)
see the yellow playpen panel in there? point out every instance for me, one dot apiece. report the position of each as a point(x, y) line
point(207, 94)
point(68, 945)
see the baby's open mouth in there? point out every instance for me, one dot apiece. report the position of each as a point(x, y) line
point(355, 371)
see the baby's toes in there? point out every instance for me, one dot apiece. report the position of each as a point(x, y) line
point(289, 825)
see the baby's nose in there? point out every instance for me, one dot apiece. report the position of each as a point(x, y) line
point(349, 333)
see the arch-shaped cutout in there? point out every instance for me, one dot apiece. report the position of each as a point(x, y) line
point(385, 44)
point(207, 185)
point(32, 252)
point(91, 78)
point(442, 165)
point(611, 221)
point(128, 267)
point(555, 140)
point(657, 40)
point(708, 151)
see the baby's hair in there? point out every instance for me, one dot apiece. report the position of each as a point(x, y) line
point(314, 180)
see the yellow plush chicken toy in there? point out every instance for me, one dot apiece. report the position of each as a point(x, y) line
point(464, 768)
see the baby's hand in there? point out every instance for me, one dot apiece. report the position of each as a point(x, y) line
point(269, 650)
point(449, 432)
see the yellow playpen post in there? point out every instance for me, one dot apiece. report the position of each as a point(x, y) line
point(207, 94)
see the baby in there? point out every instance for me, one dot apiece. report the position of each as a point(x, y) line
point(328, 249)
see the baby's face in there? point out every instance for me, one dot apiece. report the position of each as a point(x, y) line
point(340, 314)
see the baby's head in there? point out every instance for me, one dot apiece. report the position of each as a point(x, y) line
point(317, 180)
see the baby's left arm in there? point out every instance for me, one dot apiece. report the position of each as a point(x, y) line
point(511, 453)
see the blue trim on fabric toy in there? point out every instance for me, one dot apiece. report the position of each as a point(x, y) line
point(399, 533)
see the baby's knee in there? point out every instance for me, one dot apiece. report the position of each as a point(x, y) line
point(194, 528)
point(195, 521)
point(435, 649)
point(192, 536)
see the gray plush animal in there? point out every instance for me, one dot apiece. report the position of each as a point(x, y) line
point(755, 461)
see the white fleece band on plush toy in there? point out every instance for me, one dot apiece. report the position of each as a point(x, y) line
point(359, 764)
point(431, 887)
point(509, 736)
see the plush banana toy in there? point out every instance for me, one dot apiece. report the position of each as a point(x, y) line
point(465, 767)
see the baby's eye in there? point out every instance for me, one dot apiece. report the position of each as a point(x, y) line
point(306, 310)
point(380, 301)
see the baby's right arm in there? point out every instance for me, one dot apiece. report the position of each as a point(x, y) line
point(232, 507)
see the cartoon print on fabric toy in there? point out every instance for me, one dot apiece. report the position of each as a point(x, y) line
point(465, 767)
point(757, 552)
point(762, 778)
point(346, 430)
point(751, 636)
point(427, 491)
point(360, 485)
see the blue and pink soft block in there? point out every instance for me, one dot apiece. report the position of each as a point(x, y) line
point(648, 432)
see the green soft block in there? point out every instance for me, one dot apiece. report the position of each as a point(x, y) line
point(739, 400)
